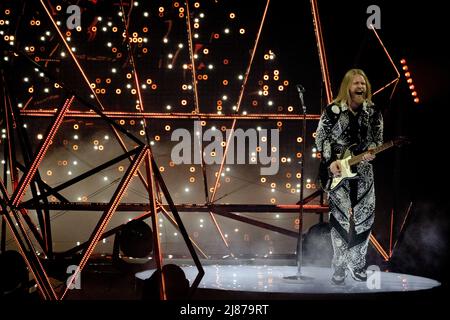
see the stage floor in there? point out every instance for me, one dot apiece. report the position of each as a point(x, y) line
point(272, 279)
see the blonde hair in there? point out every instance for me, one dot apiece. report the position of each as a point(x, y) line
point(344, 91)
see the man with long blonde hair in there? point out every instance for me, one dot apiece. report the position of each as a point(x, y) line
point(352, 122)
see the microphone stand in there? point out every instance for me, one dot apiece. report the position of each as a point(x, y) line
point(299, 275)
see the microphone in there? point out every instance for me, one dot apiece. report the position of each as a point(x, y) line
point(301, 90)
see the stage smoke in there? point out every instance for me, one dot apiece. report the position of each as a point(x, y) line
point(317, 247)
point(424, 248)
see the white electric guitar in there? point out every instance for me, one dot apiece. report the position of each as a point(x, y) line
point(347, 160)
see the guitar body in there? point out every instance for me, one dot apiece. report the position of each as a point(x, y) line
point(347, 160)
point(346, 171)
point(329, 183)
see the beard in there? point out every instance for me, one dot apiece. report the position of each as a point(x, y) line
point(358, 98)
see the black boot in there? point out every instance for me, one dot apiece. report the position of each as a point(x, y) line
point(338, 275)
point(359, 274)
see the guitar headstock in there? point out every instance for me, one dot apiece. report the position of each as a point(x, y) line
point(401, 141)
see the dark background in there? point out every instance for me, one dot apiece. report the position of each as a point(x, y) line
point(418, 172)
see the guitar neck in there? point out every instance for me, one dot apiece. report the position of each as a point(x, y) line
point(357, 159)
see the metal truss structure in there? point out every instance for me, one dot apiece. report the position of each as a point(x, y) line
point(25, 175)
